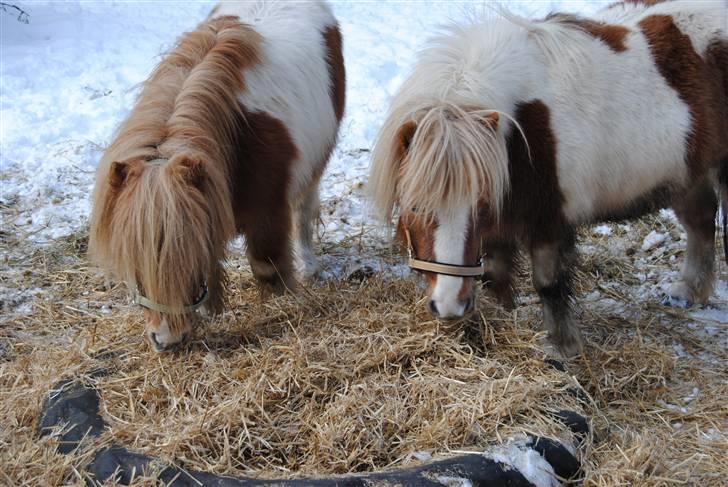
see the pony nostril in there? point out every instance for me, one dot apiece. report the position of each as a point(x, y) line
point(158, 346)
point(433, 307)
point(468, 304)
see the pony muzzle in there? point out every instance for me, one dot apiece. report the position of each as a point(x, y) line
point(160, 334)
point(445, 301)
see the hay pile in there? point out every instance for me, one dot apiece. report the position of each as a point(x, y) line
point(353, 376)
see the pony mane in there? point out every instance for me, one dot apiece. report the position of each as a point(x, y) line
point(454, 158)
point(164, 227)
point(465, 74)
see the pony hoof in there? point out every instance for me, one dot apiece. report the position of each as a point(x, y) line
point(307, 268)
point(683, 296)
point(570, 350)
point(675, 302)
point(569, 345)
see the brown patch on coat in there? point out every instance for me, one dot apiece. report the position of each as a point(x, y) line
point(422, 235)
point(471, 256)
point(337, 92)
point(610, 34)
point(699, 84)
point(337, 73)
point(260, 179)
point(533, 208)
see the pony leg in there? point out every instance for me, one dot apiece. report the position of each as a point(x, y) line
point(269, 252)
point(306, 215)
point(500, 265)
point(697, 214)
point(553, 264)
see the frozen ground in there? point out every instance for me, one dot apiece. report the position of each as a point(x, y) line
point(71, 75)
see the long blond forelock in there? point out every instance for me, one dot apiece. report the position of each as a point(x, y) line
point(456, 159)
point(162, 231)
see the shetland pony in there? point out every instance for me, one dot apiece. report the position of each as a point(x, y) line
point(229, 135)
point(510, 132)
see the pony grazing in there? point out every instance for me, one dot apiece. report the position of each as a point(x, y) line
point(230, 135)
point(510, 133)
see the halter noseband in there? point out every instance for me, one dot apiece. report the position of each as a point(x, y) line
point(454, 270)
point(145, 302)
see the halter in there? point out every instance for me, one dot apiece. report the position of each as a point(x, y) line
point(454, 270)
point(145, 302)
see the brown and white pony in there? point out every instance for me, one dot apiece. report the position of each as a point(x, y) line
point(512, 132)
point(229, 135)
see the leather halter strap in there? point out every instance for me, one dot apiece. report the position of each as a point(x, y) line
point(145, 302)
point(454, 270)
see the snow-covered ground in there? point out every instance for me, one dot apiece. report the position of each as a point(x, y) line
point(72, 74)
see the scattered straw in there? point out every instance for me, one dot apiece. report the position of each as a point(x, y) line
point(352, 376)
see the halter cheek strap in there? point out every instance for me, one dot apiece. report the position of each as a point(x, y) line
point(454, 270)
point(145, 302)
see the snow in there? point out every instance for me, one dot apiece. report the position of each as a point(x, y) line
point(527, 461)
point(454, 481)
point(72, 74)
point(653, 239)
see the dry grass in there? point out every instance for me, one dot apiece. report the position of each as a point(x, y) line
point(353, 376)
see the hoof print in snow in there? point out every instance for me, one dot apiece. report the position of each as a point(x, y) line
point(74, 408)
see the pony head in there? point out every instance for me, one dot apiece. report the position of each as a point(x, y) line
point(441, 166)
point(162, 213)
point(154, 226)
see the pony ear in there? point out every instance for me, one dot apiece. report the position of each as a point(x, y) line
point(118, 174)
point(490, 120)
point(405, 134)
point(190, 169)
